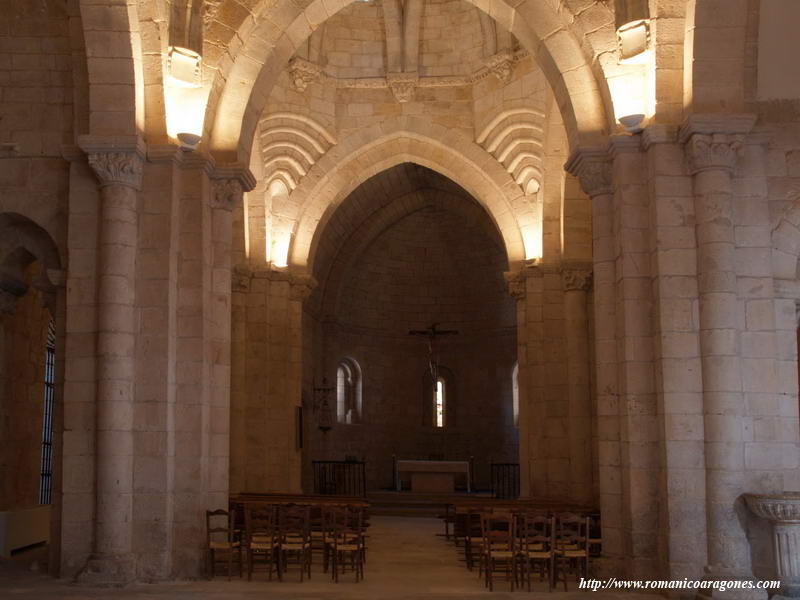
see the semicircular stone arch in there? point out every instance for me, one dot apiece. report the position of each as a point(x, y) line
point(245, 77)
point(375, 149)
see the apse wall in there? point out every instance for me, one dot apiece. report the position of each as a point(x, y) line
point(431, 266)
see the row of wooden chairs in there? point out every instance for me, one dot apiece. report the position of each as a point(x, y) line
point(277, 535)
point(520, 543)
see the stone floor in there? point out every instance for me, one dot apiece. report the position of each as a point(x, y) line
point(406, 559)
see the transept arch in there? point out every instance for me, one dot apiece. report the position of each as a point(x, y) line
point(374, 149)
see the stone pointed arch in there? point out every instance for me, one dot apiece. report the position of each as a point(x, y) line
point(270, 33)
point(405, 139)
point(330, 271)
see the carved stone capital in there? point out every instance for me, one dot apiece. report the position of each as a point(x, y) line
point(116, 160)
point(592, 167)
point(403, 85)
point(303, 73)
point(576, 279)
point(241, 276)
point(301, 286)
point(228, 184)
point(226, 193)
point(118, 168)
point(515, 284)
point(715, 141)
point(501, 65)
point(705, 152)
point(516, 280)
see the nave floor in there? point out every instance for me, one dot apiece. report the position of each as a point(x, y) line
point(405, 560)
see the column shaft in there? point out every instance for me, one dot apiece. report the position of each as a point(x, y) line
point(712, 158)
point(576, 324)
point(112, 560)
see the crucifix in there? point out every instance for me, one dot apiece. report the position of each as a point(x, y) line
point(432, 333)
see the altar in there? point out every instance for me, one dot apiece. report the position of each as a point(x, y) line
point(433, 476)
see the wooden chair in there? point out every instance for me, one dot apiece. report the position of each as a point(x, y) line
point(294, 538)
point(261, 538)
point(536, 546)
point(219, 538)
point(472, 534)
point(595, 536)
point(498, 552)
point(571, 546)
point(344, 539)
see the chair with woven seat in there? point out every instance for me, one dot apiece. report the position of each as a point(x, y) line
point(595, 536)
point(294, 538)
point(536, 546)
point(498, 551)
point(470, 529)
point(261, 539)
point(571, 546)
point(344, 539)
point(220, 538)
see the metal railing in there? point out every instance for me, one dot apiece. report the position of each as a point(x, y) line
point(505, 480)
point(340, 477)
point(46, 475)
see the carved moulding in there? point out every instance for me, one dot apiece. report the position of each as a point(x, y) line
point(303, 73)
point(403, 85)
point(501, 65)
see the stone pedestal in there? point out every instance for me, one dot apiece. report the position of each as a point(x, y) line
point(783, 510)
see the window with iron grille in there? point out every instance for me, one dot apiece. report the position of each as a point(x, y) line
point(45, 482)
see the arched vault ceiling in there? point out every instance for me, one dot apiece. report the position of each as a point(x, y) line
point(376, 205)
point(250, 45)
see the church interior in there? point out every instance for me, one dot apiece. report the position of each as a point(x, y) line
point(429, 271)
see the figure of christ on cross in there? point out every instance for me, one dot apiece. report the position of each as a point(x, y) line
point(432, 333)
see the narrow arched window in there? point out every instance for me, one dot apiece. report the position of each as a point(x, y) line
point(439, 401)
point(515, 394)
point(348, 392)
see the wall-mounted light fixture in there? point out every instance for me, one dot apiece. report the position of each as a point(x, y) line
point(632, 123)
point(188, 141)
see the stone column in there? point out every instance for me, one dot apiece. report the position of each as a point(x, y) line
point(593, 169)
point(577, 283)
point(240, 291)
point(227, 189)
point(526, 286)
point(118, 166)
point(713, 145)
point(516, 289)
